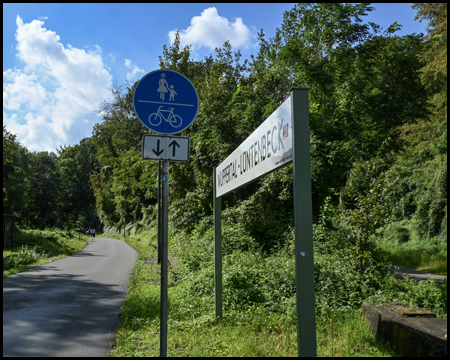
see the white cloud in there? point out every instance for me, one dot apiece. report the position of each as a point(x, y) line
point(211, 30)
point(20, 88)
point(111, 57)
point(135, 69)
point(52, 100)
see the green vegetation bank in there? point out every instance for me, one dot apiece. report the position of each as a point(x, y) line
point(378, 121)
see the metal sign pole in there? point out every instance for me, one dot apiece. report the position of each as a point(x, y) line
point(217, 250)
point(164, 257)
point(13, 230)
point(150, 105)
point(159, 212)
point(4, 231)
point(304, 259)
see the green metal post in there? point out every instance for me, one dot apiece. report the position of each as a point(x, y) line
point(164, 258)
point(217, 250)
point(159, 213)
point(304, 259)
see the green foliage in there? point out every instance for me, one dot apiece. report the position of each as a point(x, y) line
point(43, 190)
point(75, 195)
point(424, 294)
point(361, 179)
point(397, 234)
point(404, 245)
point(419, 192)
point(268, 214)
point(379, 182)
point(251, 280)
point(15, 172)
point(434, 53)
point(193, 328)
point(342, 283)
point(38, 247)
point(24, 256)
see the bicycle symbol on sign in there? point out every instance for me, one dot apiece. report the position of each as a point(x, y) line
point(156, 118)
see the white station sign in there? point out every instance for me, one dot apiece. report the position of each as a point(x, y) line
point(266, 149)
point(172, 148)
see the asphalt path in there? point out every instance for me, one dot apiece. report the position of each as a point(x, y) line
point(418, 275)
point(68, 307)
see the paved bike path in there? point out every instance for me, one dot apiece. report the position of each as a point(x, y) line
point(68, 307)
point(418, 275)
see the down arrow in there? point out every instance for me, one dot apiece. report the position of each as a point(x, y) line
point(157, 152)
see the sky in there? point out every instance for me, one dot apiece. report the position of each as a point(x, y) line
point(60, 61)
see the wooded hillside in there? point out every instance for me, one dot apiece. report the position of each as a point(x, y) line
point(378, 140)
point(378, 112)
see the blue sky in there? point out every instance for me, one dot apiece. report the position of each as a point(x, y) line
point(61, 60)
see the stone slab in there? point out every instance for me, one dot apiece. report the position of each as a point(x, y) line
point(412, 336)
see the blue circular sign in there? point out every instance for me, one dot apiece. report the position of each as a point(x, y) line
point(165, 101)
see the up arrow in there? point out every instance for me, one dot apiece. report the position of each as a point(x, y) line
point(174, 143)
point(157, 152)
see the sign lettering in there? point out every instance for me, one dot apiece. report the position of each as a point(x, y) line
point(266, 149)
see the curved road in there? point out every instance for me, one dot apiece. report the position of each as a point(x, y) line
point(68, 307)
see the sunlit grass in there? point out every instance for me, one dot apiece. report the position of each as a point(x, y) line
point(193, 329)
point(418, 255)
point(38, 247)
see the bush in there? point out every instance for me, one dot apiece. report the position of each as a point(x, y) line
point(423, 294)
point(196, 249)
point(24, 256)
point(36, 247)
point(396, 232)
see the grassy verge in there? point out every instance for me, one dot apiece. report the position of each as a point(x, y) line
point(418, 255)
point(193, 330)
point(403, 245)
point(38, 247)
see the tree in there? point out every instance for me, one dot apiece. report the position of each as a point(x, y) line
point(434, 54)
point(76, 197)
point(15, 171)
point(428, 137)
point(43, 188)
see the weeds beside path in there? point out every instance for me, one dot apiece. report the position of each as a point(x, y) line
point(38, 247)
point(193, 329)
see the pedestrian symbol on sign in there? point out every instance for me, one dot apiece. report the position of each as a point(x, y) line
point(162, 86)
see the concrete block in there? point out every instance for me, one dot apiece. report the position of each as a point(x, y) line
point(414, 332)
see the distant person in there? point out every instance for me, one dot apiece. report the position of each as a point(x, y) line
point(93, 233)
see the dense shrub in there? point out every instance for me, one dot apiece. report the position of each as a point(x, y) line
point(396, 232)
point(423, 294)
point(24, 256)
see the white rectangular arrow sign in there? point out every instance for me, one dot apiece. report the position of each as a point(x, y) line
point(171, 148)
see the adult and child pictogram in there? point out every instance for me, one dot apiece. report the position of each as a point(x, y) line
point(164, 88)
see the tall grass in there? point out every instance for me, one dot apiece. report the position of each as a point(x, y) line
point(193, 329)
point(258, 297)
point(419, 256)
point(403, 246)
point(38, 247)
